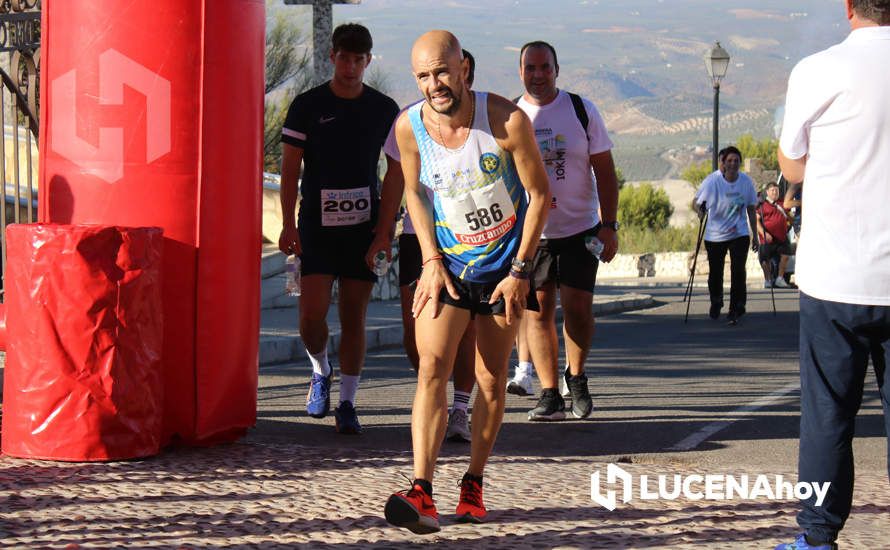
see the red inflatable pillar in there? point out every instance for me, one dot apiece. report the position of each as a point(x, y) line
point(152, 115)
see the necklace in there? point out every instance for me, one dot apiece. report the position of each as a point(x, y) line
point(469, 127)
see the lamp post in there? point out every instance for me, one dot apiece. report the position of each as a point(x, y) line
point(717, 61)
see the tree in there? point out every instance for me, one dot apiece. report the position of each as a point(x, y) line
point(644, 206)
point(287, 75)
point(619, 175)
point(696, 173)
point(765, 150)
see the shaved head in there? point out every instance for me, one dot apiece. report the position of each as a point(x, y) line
point(437, 43)
point(440, 71)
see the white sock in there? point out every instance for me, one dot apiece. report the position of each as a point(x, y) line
point(348, 387)
point(461, 400)
point(319, 362)
point(525, 368)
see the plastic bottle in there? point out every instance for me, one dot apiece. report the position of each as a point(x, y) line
point(594, 245)
point(292, 270)
point(381, 264)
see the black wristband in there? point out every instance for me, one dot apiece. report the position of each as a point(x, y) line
point(519, 275)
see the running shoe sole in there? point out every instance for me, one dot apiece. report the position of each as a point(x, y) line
point(560, 415)
point(469, 518)
point(400, 513)
point(517, 389)
point(457, 438)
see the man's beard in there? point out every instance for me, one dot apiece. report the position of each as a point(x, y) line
point(452, 108)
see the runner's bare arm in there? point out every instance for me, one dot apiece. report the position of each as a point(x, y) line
point(607, 190)
point(792, 169)
point(513, 131)
point(433, 277)
point(390, 198)
point(291, 158)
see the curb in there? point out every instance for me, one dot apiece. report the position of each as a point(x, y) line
point(287, 349)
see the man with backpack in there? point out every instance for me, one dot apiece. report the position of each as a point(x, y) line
point(577, 154)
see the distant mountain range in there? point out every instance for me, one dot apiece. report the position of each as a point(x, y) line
point(640, 61)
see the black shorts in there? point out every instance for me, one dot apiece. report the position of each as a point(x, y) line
point(566, 261)
point(767, 251)
point(340, 253)
point(475, 296)
point(410, 259)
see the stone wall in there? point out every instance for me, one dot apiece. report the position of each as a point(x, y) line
point(666, 264)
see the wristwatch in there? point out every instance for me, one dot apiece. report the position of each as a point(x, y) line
point(612, 225)
point(522, 266)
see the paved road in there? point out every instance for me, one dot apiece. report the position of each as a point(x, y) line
point(670, 398)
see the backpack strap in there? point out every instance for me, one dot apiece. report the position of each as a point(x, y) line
point(580, 111)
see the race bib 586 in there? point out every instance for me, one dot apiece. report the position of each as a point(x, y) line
point(480, 216)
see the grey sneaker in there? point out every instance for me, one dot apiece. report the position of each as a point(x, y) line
point(458, 426)
point(582, 404)
point(551, 406)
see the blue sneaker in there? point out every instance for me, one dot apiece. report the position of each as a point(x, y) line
point(318, 402)
point(346, 420)
point(800, 543)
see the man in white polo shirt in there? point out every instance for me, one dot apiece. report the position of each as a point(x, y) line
point(836, 139)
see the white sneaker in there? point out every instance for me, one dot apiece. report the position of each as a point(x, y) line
point(769, 284)
point(780, 283)
point(520, 384)
point(563, 387)
point(458, 426)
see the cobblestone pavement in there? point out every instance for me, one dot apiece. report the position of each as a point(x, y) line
point(274, 495)
point(275, 490)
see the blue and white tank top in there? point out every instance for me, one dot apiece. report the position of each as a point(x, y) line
point(479, 204)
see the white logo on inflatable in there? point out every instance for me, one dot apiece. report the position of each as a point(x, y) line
point(107, 160)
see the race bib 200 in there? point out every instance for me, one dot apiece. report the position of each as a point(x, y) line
point(345, 206)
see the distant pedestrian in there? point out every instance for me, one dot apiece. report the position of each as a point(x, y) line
point(772, 228)
point(836, 140)
point(729, 198)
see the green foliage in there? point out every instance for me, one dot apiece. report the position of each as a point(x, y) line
point(764, 149)
point(644, 206)
point(642, 240)
point(287, 75)
point(619, 175)
point(696, 173)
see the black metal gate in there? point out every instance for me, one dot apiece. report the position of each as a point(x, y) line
point(19, 71)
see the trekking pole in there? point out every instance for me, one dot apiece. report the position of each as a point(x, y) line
point(701, 226)
point(701, 235)
point(772, 287)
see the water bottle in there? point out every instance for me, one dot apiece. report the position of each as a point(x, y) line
point(292, 270)
point(381, 264)
point(594, 246)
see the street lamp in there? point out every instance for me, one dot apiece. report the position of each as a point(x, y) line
point(717, 61)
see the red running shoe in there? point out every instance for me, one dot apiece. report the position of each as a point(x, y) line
point(412, 509)
point(470, 508)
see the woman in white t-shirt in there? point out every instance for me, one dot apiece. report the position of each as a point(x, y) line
point(729, 198)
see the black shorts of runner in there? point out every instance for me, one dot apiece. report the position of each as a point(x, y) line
point(340, 253)
point(566, 261)
point(475, 297)
point(410, 259)
point(767, 251)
